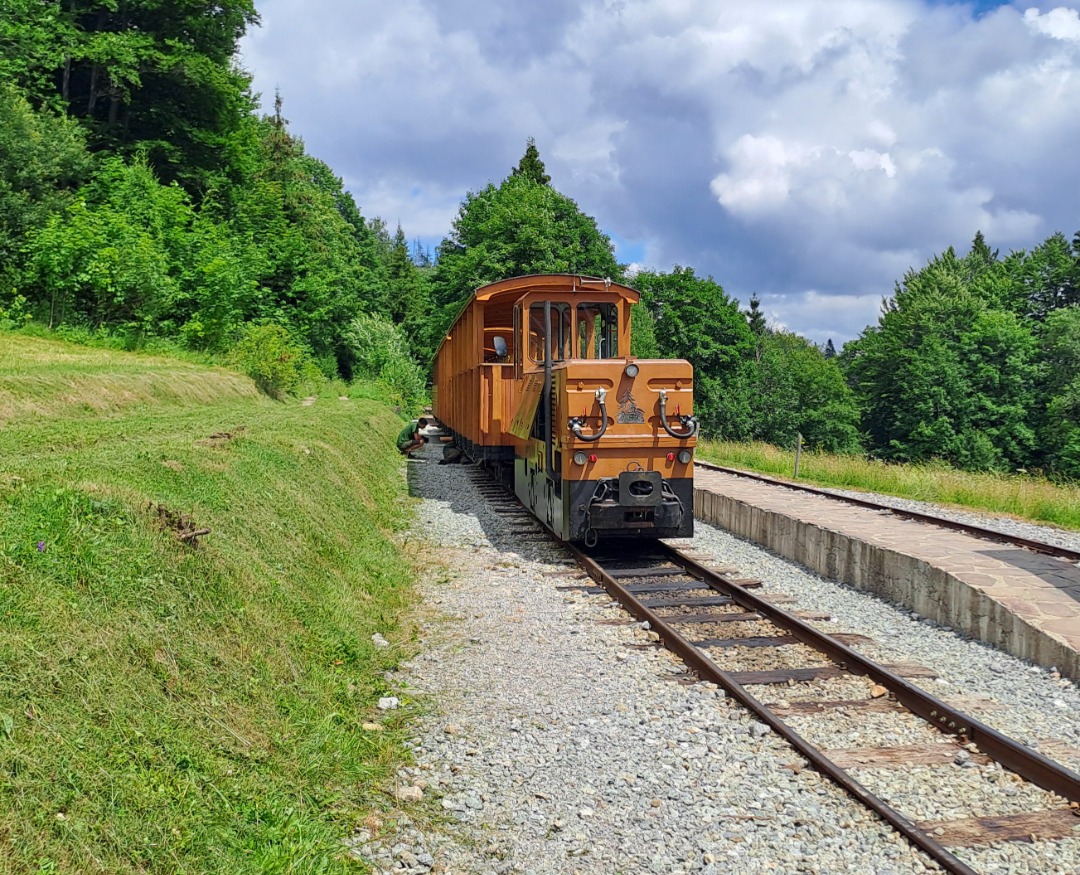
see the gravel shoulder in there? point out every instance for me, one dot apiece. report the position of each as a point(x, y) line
point(556, 738)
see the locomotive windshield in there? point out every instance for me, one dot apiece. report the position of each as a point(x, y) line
point(598, 331)
point(561, 335)
point(596, 335)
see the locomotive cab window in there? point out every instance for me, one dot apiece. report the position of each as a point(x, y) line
point(598, 331)
point(499, 334)
point(559, 328)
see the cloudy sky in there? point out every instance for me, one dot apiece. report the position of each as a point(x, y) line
point(810, 151)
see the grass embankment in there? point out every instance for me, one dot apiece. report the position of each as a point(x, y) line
point(172, 706)
point(1016, 495)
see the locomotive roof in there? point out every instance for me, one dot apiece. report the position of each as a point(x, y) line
point(560, 283)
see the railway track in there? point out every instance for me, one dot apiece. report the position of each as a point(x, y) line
point(721, 627)
point(931, 519)
point(712, 621)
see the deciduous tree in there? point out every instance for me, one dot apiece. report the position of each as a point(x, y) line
point(800, 391)
point(696, 320)
point(43, 159)
point(947, 372)
point(520, 226)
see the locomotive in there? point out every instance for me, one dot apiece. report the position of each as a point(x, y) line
point(536, 381)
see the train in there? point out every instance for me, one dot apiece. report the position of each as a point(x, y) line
point(535, 380)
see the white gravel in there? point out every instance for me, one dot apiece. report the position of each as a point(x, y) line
point(552, 738)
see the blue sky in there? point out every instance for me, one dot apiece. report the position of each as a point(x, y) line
point(809, 151)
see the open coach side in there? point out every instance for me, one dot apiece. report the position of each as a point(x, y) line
point(535, 379)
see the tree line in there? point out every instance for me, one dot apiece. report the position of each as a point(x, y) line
point(143, 196)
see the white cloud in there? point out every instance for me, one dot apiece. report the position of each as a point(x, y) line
point(761, 174)
point(821, 317)
point(1060, 23)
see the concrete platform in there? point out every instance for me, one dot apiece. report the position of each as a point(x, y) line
point(1028, 604)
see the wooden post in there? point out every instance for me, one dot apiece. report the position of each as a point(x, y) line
point(798, 455)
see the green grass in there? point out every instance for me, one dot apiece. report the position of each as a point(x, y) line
point(176, 707)
point(1020, 496)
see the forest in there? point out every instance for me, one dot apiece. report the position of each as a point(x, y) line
point(145, 202)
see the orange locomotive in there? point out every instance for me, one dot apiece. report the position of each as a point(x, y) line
point(536, 380)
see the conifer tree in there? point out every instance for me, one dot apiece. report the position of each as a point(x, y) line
point(754, 317)
point(531, 167)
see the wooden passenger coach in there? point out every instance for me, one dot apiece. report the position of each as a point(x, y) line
point(535, 379)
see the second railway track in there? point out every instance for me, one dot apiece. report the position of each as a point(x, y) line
point(936, 519)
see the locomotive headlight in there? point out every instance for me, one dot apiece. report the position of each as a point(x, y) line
point(685, 456)
point(631, 370)
point(580, 458)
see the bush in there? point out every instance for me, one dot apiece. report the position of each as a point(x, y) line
point(14, 314)
point(380, 352)
point(277, 363)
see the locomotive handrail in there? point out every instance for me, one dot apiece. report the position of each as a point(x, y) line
point(689, 422)
point(576, 422)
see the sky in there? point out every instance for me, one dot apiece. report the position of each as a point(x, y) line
point(807, 151)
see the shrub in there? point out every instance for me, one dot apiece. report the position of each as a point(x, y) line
point(14, 314)
point(380, 352)
point(275, 361)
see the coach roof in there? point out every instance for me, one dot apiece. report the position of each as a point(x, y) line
point(554, 282)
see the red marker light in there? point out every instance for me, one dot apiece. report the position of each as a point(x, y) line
point(671, 457)
point(592, 458)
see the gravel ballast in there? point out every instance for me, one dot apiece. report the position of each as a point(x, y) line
point(555, 737)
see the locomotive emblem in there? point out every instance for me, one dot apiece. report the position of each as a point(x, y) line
point(629, 412)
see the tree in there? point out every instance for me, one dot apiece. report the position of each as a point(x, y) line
point(531, 167)
point(947, 373)
point(754, 317)
point(112, 258)
point(643, 342)
point(43, 159)
point(800, 391)
point(318, 263)
point(522, 226)
point(756, 320)
point(1057, 415)
point(697, 321)
point(1047, 278)
point(149, 76)
point(35, 41)
point(409, 298)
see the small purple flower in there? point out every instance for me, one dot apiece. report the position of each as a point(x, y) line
point(41, 546)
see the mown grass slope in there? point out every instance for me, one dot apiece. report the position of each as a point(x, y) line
point(171, 705)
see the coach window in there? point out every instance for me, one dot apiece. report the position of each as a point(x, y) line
point(598, 331)
point(559, 328)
